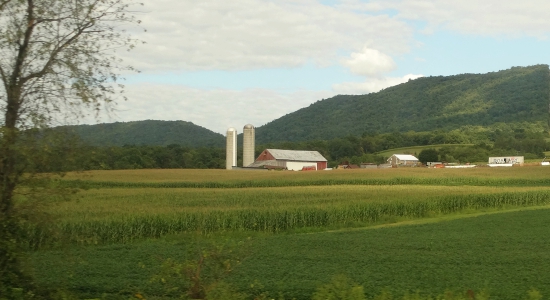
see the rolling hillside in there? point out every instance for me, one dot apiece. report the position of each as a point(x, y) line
point(148, 132)
point(519, 94)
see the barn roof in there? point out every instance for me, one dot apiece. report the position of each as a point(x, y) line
point(261, 163)
point(296, 155)
point(405, 157)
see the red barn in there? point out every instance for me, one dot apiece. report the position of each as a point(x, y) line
point(290, 159)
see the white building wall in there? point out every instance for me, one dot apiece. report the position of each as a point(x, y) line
point(298, 165)
point(506, 160)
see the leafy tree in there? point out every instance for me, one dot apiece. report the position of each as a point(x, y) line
point(428, 155)
point(56, 59)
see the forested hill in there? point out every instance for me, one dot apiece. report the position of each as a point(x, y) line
point(148, 132)
point(519, 94)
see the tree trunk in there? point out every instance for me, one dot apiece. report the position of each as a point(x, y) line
point(10, 237)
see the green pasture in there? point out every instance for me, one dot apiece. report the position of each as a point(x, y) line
point(505, 254)
point(112, 236)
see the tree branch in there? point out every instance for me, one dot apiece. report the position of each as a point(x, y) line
point(23, 47)
point(53, 55)
point(4, 3)
point(14, 85)
point(70, 39)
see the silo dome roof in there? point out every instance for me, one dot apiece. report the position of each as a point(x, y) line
point(231, 129)
point(248, 126)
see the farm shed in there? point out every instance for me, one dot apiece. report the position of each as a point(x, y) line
point(290, 159)
point(505, 161)
point(403, 160)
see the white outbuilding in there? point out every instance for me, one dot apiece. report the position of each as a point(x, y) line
point(403, 160)
point(505, 161)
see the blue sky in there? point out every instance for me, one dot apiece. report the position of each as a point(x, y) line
point(450, 53)
point(444, 53)
point(223, 64)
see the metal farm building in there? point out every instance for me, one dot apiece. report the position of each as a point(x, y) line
point(505, 161)
point(290, 159)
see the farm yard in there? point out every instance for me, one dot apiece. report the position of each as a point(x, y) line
point(414, 180)
point(287, 233)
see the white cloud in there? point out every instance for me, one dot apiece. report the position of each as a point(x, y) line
point(371, 85)
point(358, 5)
point(369, 62)
point(232, 35)
point(254, 34)
point(489, 17)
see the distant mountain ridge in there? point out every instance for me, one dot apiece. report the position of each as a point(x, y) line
point(148, 132)
point(516, 95)
point(519, 94)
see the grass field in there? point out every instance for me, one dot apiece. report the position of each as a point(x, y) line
point(103, 237)
point(505, 254)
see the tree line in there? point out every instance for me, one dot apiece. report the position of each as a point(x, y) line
point(68, 153)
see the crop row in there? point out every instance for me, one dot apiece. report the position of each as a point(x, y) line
point(442, 181)
point(136, 226)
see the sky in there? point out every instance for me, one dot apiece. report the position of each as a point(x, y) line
point(222, 64)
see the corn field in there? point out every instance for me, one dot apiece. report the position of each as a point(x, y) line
point(119, 211)
point(223, 176)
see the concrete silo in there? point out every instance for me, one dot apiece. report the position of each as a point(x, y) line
point(248, 145)
point(231, 149)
